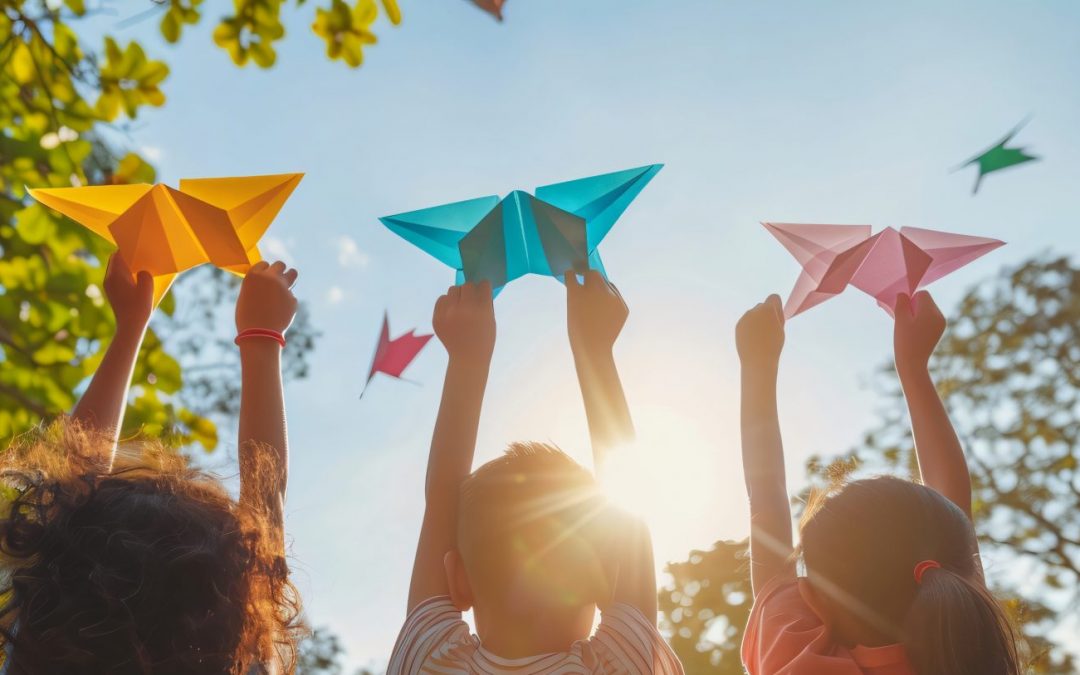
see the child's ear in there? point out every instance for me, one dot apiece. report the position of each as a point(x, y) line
point(458, 581)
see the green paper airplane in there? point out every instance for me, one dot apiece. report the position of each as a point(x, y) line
point(999, 157)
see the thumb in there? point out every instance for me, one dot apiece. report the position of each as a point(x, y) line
point(902, 308)
point(144, 282)
point(773, 302)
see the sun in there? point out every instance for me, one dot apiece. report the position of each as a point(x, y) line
point(668, 477)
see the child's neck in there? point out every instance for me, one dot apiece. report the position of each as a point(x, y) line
point(531, 634)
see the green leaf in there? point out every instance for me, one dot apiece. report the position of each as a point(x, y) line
point(170, 27)
point(393, 12)
point(165, 371)
point(134, 169)
point(34, 224)
point(22, 64)
point(263, 54)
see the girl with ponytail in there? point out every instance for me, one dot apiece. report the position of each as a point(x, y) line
point(893, 582)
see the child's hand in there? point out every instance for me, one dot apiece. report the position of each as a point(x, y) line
point(919, 327)
point(759, 335)
point(464, 321)
point(595, 313)
point(266, 299)
point(131, 296)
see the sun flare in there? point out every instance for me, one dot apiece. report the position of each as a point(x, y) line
point(668, 477)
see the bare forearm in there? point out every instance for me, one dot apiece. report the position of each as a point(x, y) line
point(453, 442)
point(453, 445)
point(635, 581)
point(262, 422)
point(102, 406)
point(763, 467)
point(941, 456)
point(606, 409)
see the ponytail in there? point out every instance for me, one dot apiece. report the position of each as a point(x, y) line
point(956, 627)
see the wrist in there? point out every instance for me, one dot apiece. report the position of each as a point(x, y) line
point(912, 370)
point(260, 335)
point(128, 326)
point(593, 353)
point(470, 360)
point(759, 367)
point(259, 348)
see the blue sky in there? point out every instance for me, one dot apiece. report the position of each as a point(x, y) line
point(831, 111)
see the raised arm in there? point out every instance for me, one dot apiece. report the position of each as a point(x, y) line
point(102, 405)
point(266, 305)
point(464, 321)
point(595, 315)
point(919, 327)
point(759, 337)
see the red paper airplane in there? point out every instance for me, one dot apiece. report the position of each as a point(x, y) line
point(493, 7)
point(392, 357)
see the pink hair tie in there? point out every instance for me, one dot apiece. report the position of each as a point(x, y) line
point(920, 569)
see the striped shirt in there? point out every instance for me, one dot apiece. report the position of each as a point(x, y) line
point(436, 641)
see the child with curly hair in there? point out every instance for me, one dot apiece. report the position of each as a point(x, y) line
point(130, 561)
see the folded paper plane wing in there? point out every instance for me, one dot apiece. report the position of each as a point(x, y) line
point(164, 231)
point(556, 230)
point(883, 265)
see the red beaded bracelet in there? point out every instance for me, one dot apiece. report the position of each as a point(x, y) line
point(260, 333)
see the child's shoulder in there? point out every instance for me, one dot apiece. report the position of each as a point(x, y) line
point(433, 630)
point(784, 633)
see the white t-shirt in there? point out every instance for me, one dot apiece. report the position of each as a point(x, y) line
point(435, 640)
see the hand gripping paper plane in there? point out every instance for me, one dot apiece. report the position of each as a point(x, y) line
point(884, 265)
point(163, 231)
point(499, 240)
point(392, 357)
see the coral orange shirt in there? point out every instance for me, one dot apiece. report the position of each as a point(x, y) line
point(784, 636)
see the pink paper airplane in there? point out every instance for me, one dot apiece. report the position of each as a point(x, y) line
point(883, 265)
point(392, 357)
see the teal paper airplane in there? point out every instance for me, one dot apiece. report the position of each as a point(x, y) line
point(999, 157)
point(499, 240)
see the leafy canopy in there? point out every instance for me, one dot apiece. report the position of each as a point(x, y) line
point(59, 102)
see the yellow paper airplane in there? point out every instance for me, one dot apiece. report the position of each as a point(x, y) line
point(164, 231)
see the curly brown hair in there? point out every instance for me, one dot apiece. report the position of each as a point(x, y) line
point(148, 566)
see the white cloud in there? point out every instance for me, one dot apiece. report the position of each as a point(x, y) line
point(275, 249)
point(349, 253)
point(335, 295)
point(151, 152)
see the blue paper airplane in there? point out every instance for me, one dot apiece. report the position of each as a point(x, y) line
point(499, 240)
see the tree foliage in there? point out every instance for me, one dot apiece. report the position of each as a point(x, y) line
point(1008, 370)
point(249, 33)
point(59, 101)
point(705, 606)
point(321, 654)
